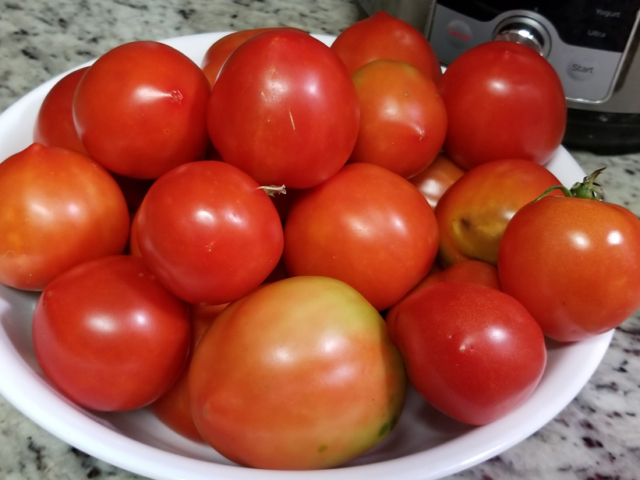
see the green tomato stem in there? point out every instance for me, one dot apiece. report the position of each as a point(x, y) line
point(588, 189)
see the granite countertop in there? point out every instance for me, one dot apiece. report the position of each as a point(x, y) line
point(597, 436)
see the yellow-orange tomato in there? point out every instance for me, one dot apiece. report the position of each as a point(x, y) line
point(474, 211)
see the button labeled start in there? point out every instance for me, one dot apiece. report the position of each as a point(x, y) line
point(582, 68)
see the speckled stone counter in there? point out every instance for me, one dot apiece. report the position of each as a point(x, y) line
point(597, 436)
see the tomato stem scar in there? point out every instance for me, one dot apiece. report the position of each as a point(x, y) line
point(273, 190)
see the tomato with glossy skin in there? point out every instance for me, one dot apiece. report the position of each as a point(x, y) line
point(470, 271)
point(54, 125)
point(473, 213)
point(284, 110)
point(58, 208)
point(403, 121)
point(384, 37)
point(574, 263)
point(174, 407)
point(219, 51)
point(209, 232)
point(473, 352)
point(366, 226)
point(109, 336)
point(299, 374)
point(434, 180)
point(140, 109)
point(503, 100)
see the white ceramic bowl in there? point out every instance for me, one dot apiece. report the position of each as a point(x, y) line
point(424, 445)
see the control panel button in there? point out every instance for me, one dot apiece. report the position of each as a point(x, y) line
point(459, 33)
point(526, 31)
point(582, 68)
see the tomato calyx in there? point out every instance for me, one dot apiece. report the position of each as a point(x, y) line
point(273, 190)
point(588, 189)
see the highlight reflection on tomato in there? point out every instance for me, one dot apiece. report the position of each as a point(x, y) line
point(434, 180)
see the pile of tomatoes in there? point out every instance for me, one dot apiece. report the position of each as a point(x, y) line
point(266, 248)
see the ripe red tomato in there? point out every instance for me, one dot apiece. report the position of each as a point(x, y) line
point(284, 110)
point(574, 263)
point(54, 125)
point(403, 120)
point(174, 407)
point(473, 213)
point(217, 54)
point(384, 37)
point(140, 110)
point(299, 374)
point(58, 209)
point(219, 51)
point(434, 180)
point(503, 100)
point(109, 336)
point(208, 232)
point(366, 226)
point(471, 351)
point(471, 271)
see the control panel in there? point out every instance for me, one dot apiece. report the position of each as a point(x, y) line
point(585, 41)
